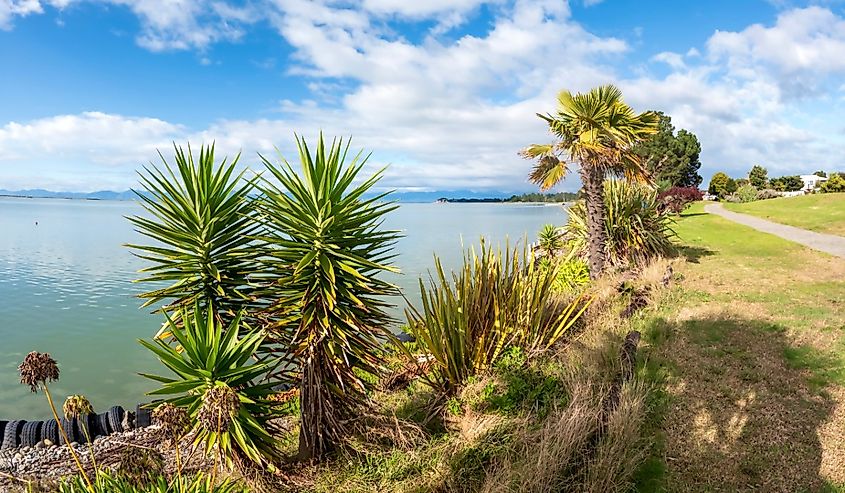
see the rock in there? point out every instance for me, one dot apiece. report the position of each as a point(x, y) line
point(48, 442)
point(39, 445)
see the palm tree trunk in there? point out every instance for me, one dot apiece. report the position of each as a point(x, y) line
point(593, 181)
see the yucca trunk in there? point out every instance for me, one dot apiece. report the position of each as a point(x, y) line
point(319, 412)
point(592, 180)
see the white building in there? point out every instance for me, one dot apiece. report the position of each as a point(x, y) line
point(811, 182)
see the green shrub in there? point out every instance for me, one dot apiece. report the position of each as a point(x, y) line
point(636, 228)
point(746, 193)
point(573, 274)
point(495, 301)
point(217, 382)
point(525, 385)
point(834, 184)
point(106, 482)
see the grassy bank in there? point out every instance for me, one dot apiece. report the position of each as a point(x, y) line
point(749, 351)
point(824, 213)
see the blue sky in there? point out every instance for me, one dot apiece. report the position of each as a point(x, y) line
point(444, 91)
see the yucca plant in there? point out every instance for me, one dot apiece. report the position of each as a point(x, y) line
point(208, 361)
point(107, 482)
point(635, 226)
point(199, 216)
point(550, 240)
point(495, 301)
point(327, 250)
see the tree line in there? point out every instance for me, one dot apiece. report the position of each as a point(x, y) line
point(757, 179)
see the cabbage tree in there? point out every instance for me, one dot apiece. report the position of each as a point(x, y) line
point(199, 220)
point(327, 251)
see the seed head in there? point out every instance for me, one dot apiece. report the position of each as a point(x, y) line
point(219, 406)
point(76, 405)
point(38, 368)
point(173, 419)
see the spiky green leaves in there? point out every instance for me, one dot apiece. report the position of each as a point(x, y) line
point(497, 299)
point(199, 217)
point(635, 227)
point(205, 357)
point(328, 252)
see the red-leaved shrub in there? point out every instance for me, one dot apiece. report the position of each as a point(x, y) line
point(676, 199)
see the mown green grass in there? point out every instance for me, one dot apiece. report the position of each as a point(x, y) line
point(745, 299)
point(824, 213)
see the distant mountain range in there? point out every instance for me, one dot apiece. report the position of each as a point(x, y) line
point(129, 195)
point(38, 193)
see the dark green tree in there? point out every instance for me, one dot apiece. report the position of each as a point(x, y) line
point(787, 183)
point(758, 177)
point(672, 157)
point(731, 186)
point(821, 173)
point(719, 184)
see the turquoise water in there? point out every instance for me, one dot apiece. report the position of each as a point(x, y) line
point(66, 287)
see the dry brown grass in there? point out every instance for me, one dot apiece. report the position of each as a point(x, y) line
point(573, 451)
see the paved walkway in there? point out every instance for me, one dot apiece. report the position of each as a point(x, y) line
point(832, 244)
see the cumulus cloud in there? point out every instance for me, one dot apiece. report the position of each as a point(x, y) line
point(452, 113)
point(9, 9)
point(165, 24)
point(110, 146)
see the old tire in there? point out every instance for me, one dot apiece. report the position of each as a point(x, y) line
point(69, 425)
point(50, 431)
point(89, 423)
point(143, 416)
point(31, 433)
point(2, 429)
point(116, 419)
point(103, 427)
point(11, 434)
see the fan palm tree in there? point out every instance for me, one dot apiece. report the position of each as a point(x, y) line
point(327, 251)
point(597, 131)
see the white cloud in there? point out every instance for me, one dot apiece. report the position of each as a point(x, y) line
point(452, 113)
point(165, 24)
point(110, 146)
point(674, 60)
point(12, 8)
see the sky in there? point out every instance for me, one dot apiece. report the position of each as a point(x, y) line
point(445, 92)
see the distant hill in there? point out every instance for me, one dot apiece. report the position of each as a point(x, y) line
point(38, 193)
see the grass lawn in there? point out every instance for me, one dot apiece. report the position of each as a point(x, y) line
point(749, 353)
point(824, 213)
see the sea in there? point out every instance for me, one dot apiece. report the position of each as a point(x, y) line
point(66, 287)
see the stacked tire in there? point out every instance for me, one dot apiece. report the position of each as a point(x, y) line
point(20, 433)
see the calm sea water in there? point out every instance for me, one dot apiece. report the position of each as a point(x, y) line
point(66, 287)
